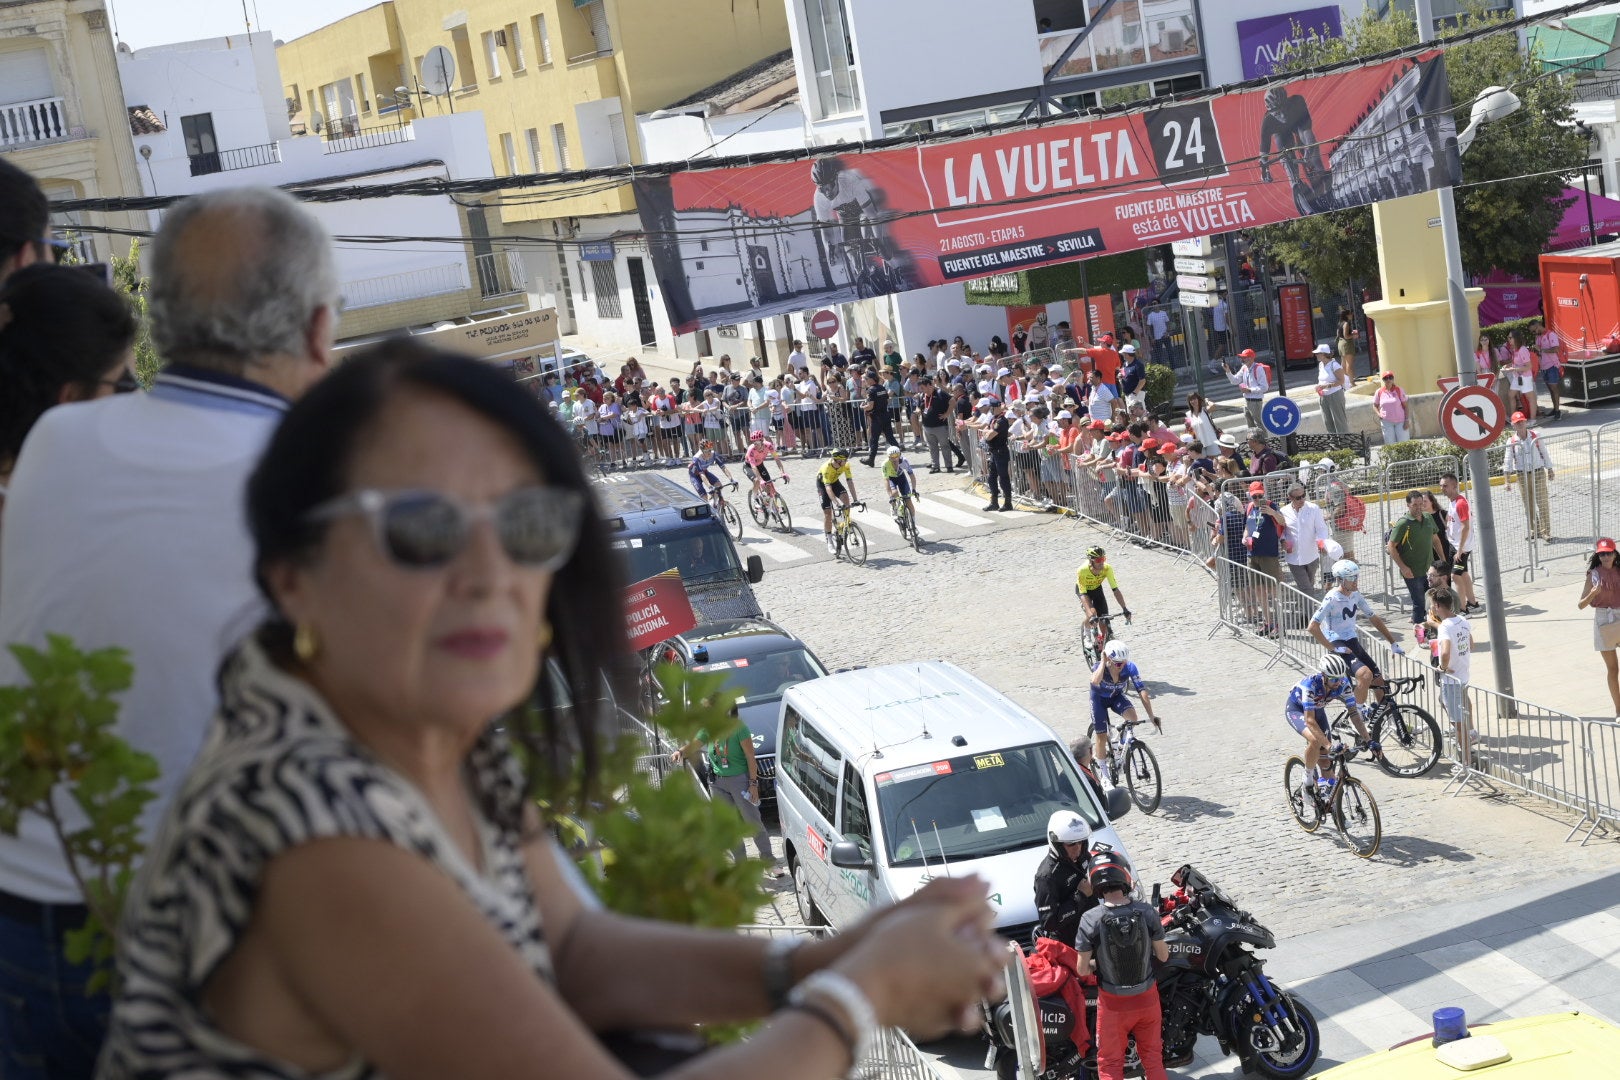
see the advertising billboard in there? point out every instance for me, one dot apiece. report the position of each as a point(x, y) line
point(1264, 42)
point(760, 240)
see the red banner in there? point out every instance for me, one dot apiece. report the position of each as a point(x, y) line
point(1298, 326)
point(657, 609)
point(765, 240)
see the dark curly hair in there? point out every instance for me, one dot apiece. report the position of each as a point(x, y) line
point(62, 331)
point(572, 709)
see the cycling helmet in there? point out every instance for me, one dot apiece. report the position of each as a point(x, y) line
point(1117, 651)
point(1109, 871)
point(1345, 570)
point(706, 444)
point(1333, 666)
point(1095, 552)
point(825, 170)
point(1066, 827)
point(840, 453)
point(894, 451)
point(756, 436)
point(1275, 97)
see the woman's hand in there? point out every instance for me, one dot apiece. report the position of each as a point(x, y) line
point(926, 962)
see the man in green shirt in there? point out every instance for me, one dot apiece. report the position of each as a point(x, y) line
point(735, 774)
point(1414, 543)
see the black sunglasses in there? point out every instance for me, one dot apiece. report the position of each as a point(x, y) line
point(420, 530)
point(126, 383)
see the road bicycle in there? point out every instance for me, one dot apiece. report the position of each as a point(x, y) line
point(1098, 634)
point(850, 539)
point(766, 505)
point(1355, 813)
point(1129, 758)
point(906, 518)
point(724, 510)
point(1407, 737)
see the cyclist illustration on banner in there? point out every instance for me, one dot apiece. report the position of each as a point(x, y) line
point(1287, 129)
point(848, 202)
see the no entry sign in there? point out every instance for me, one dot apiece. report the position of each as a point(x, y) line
point(657, 609)
point(824, 324)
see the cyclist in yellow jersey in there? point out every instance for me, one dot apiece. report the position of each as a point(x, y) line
point(1089, 582)
point(829, 482)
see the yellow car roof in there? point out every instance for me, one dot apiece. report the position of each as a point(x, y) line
point(1562, 1046)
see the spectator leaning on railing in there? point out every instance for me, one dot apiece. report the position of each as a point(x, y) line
point(1414, 543)
point(1601, 593)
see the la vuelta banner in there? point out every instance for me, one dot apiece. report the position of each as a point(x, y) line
point(755, 241)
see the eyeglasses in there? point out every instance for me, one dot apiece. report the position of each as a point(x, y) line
point(423, 530)
point(126, 383)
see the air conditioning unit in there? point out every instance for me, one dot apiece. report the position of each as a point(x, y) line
point(500, 38)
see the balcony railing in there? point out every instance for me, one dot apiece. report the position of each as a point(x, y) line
point(361, 140)
point(244, 157)
point(37, 121)
point(501, 273)
point(410, 285)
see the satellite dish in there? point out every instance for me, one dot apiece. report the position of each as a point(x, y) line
point(317, 121)
point(438, 70)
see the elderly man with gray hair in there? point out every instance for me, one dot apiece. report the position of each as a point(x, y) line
point(124, 527)
point(1304, 539)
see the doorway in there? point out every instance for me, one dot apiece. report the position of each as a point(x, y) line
point(643, 303)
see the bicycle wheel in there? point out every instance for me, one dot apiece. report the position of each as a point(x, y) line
point(855, 544)
point(1356, 815)
point(733, 520)
point(1142, 777)
point(916, 534)
point(784, 517)
point(1408, 740)
point(1307, 811)
point(1088, 646)
point(757, 509)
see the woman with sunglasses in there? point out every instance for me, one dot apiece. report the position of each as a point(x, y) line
point(64, 336)
point(1602, 594)
point(355, 881)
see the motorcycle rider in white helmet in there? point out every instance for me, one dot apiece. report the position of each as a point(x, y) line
point(1062, 893)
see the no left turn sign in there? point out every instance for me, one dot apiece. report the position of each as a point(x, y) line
point(1472, 417)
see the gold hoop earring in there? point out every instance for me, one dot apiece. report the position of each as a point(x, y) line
point(306, 643)
point(543, 638)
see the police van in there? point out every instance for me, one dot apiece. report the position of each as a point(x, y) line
point(888, 777)
point(655, 525)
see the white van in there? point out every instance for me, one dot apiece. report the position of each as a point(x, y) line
point(888, 777)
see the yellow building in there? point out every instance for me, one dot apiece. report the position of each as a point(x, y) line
point(62, 114)
point(559, 84)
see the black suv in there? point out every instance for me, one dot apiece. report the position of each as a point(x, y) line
point(760, 661)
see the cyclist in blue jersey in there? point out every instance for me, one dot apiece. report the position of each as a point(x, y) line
point(1114, 674)
point(700, 470)
point(1334, 625)
point(1306, 710)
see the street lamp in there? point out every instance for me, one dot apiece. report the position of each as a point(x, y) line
point(1493, 103)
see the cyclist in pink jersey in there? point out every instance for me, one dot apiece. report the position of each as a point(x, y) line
point(760, 450)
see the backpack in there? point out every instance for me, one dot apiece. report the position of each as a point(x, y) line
point(1125, 950)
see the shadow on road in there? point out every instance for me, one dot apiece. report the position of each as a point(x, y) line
point(1417, 850)
point(1188, 808)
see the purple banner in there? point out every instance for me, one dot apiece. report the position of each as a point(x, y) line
point(1265, 41)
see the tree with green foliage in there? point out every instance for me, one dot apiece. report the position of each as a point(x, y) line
point(1509, 176)
point(128, 279)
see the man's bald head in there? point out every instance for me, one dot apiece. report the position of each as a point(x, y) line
point(239, 278)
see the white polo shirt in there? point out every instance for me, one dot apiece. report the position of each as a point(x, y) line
point(125, 526)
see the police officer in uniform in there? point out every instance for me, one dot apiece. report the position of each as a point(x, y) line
point(1062, 891)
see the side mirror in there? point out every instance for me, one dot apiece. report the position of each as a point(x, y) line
point(756, 570)
point(847, 855)
point(1119, 803)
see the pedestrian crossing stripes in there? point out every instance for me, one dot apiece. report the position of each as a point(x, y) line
point(968, 498)
point(938, 513)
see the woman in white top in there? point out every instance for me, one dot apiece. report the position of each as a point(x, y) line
point(811, 423)
point(713, 410)
point(1522, 373)
point(635, 434)
point(1331, 383)
point(1200, 424)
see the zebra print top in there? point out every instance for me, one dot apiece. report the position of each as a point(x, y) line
point(277, 770)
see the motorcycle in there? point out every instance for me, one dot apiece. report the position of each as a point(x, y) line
point(1214, 984)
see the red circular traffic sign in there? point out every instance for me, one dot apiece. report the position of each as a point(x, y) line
point(824, 324)
point(1472, 417)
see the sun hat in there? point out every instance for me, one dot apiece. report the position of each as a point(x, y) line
point(1322, 350)
point(1257, 488)
point(1127, 348)
point(1604, 544)
point(1519, 418)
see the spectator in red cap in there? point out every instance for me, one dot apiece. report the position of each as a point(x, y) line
point(1389, 401)
point(1602, 594)
point(1525, 460)
point(1253, 380)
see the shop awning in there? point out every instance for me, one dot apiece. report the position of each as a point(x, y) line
point(1584, 46)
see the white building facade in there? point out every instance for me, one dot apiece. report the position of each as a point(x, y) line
point(209, 114)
